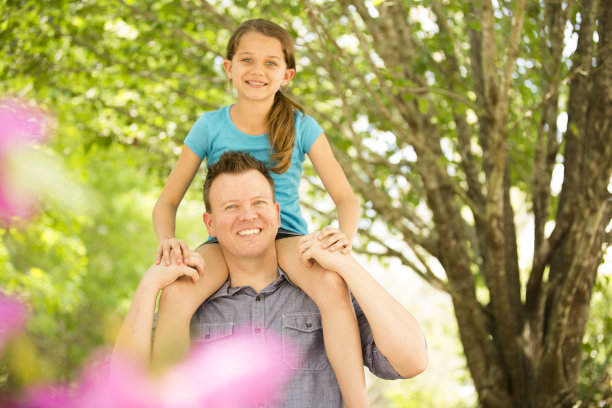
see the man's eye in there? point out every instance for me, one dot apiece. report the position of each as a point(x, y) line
point(230, 207)
point(260, 202)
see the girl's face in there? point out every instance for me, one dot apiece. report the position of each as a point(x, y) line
point(258, 67)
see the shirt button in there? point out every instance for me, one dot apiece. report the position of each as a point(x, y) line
point(308, 324)
point(258, 298)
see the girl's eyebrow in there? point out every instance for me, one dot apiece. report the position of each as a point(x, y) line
point(250, 53)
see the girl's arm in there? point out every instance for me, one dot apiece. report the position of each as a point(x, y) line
point(337, 186)
point(164, 212)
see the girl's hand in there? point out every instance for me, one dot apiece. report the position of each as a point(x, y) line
point(333, 239)
point(172, 246)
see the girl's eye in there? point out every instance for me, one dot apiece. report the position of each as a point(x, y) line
point(271, 63)
point(230, 207)
point(246, 60)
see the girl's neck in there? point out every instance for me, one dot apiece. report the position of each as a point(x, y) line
point(250, 118)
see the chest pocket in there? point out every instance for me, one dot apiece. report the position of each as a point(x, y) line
point(303, 342)
point(208, 332)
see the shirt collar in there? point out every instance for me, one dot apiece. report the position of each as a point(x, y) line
point(226, 291)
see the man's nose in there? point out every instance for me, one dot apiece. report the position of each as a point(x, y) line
point(248, 213)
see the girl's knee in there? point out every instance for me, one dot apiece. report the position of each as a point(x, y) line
point(178, 295)
point(330, 290)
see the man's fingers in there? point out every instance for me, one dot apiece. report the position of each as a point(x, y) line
point(193, 274)
point(196, 261)
point(306, 256)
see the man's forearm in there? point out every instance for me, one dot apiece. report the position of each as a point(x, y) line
point(134, 339)
point(396, 332)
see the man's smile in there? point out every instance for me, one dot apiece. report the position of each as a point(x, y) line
point(252, 231)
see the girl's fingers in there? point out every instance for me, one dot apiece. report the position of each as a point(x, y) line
point(347, 249)
point(167, 249)
point(158, 254)
point(341, 243)
point(328, 231)
point(186, 251)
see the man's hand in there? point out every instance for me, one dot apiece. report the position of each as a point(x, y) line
point(172, 247)
point(160, 276)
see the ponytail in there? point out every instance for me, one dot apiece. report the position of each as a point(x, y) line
point(281, 131)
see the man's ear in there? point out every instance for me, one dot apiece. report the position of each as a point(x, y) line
point(209, 224)
point(278, 212)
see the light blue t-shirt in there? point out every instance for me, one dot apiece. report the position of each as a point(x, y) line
point(215, 133)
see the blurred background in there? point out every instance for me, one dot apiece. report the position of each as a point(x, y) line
point(475, 136)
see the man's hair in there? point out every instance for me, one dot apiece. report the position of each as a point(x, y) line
point(233, 162)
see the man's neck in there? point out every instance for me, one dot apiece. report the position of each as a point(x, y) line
point(256, 272)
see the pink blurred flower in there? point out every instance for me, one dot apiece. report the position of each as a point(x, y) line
point(20, 124)
point(13, 315)
point(20, 127)
point(230, 373)
point(46, 396)
point(236, 372)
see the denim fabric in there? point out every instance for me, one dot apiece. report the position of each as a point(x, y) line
point(283, 308)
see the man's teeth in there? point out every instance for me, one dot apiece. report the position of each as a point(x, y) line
point(249, 231)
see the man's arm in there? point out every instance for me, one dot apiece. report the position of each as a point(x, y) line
point(134, 338)
point(396, 332)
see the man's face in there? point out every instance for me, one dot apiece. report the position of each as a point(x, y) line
point(243, 215)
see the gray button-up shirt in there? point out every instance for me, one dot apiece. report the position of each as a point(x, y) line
point(285, 309)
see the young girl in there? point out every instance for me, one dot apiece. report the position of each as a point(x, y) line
point(274, 129)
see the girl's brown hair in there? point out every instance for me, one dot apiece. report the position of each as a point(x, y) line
point(281, 124)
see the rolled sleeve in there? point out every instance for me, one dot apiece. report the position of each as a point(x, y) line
point(373, 358)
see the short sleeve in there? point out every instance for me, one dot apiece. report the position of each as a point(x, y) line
point(307, 130)
point(373, 358)
point(197, 139)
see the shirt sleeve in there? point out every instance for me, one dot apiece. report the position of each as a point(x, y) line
point(308, 130)
point(197, 139)
point(373, 358)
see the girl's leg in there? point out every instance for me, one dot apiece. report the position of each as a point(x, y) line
point(340, 330)
point(178, 303)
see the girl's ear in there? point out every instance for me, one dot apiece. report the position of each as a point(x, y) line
point(289, 74)
point(209, 224)
point(227, 64)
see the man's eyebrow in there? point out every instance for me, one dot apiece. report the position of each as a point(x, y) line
point(224, 203)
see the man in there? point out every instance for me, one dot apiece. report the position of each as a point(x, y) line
point(243, 215)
